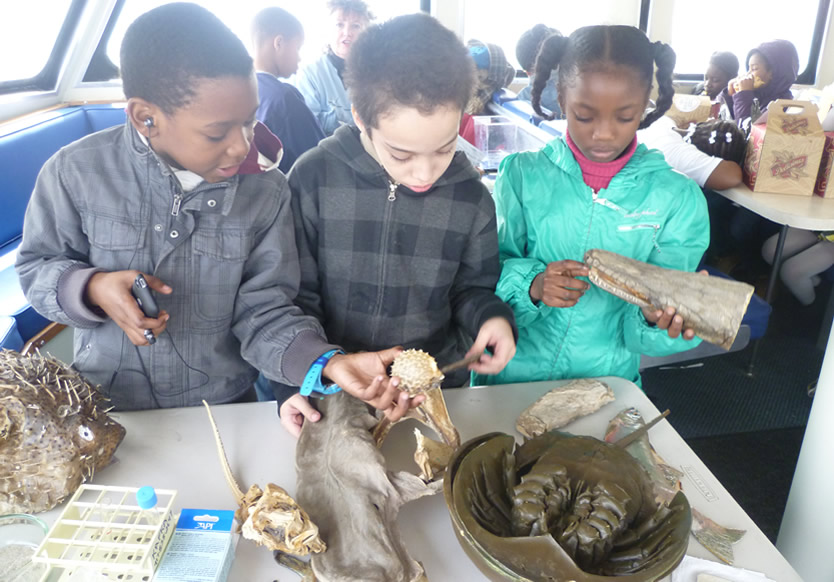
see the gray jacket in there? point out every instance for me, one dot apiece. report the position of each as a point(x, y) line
point(106, 203)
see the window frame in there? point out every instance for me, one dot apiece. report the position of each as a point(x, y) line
point(806, 77)
point(47, 78)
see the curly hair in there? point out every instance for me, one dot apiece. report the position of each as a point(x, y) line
point(594, 48)
point(408, 61)
point(719, 138)
point(357, 7)
point(166, 49)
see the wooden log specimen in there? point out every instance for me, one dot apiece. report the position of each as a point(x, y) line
point(711, 306)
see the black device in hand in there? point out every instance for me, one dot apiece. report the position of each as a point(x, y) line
point(144, 297)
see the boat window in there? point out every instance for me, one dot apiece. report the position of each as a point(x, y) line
point(480, 21)
point(696, 31)
point(34, 37)
point(238, 16)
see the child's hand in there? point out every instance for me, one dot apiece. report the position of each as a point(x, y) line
point(731, 86)
point(294, 411)
point(557, 286)
point(111, 293)
point(745, 83)
point(497, 335)
point(365, 376)
point(669, 320)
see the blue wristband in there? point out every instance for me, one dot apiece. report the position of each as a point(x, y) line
point(312, 381)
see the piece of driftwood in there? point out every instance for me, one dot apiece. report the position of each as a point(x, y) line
point(563, 405)
point(419, 374)
point(347, 491)
point(269, 517)
point(711, 306)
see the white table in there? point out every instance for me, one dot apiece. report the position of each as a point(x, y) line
point(175, 449)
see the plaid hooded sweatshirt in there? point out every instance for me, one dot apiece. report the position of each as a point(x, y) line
point(382, 265)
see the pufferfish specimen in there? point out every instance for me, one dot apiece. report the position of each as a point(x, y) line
point(419, 374)
point(54, 432)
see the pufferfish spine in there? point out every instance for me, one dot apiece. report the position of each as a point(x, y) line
point(417, 371)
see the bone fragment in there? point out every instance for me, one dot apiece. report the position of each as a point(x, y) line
point(563, 405)
point(344, 486)
point(431, 456)
point(270, 518)
point(711, 306)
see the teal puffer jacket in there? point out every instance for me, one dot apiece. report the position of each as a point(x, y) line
point(547, 213)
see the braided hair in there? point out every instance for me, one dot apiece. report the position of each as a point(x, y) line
point(718, 138)
point(597, 48)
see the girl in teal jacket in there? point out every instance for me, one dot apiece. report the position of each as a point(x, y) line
point(594, 188)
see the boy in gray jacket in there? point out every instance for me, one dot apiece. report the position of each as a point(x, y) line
point(396, 233)
point(183, 193)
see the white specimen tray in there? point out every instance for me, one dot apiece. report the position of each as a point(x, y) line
point(103, 531)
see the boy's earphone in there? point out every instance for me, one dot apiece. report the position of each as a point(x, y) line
point(149, 122)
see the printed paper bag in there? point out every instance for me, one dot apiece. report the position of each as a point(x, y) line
point(824, 187)
point(688, 109)
point(784, 149)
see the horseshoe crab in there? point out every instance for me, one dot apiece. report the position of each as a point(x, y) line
point(561, 507)
point(711, 306)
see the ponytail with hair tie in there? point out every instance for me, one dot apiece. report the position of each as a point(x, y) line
point(550, 54)
point(664, 58)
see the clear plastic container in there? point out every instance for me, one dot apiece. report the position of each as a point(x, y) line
point(20, 535)
point(496, 136)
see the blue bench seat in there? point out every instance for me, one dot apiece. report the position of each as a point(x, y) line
point(25, 144)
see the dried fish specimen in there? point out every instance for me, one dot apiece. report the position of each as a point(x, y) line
point(54, 432)
point(270, 518)
point(560, 507)
point(563, 405)
point(343, 484)
point(711, 306)
point(714, 537)
point(419, 374)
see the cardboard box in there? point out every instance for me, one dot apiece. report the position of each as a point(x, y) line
point(201, 549)
point(688, 109)
point(784, 149)
point(824, 185)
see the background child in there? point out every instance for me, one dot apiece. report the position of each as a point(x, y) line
point(277, 37)
point(525, 51)
point(594, 188)
point(322, 82)
point(178, 192)
point(772, 68)
point(806, 254)
point(723, 66)
point(710, 152)
point(395, 231)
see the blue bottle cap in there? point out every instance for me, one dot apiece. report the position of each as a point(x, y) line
point(146, 497)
